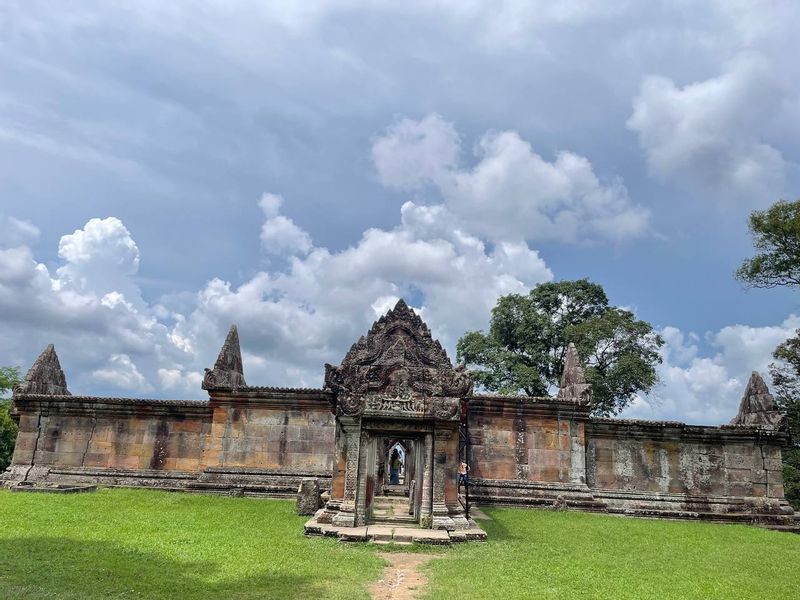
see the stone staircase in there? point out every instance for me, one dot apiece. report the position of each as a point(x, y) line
point(392, 510)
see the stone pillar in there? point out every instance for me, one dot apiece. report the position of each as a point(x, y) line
point(441, 471)
point(366, 460)
point(577, 453)
point(427, 479)
point(351, 430)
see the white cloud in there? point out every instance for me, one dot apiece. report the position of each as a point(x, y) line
point(279, 234)
point(415, 153)
point(313, 310)
point(180, 381)
point(99, 258)
point(709, 134)
point(16, 232)
point(120, 372)
point(291, 319)
point(512, 192)
point(707, 389)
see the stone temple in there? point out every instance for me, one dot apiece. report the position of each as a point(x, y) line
point(384, 438)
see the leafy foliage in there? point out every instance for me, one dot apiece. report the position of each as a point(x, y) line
point(776, 234)
point(785, 373)
point(9, 377)
point(529, 334)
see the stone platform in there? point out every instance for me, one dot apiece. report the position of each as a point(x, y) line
point(389, 534)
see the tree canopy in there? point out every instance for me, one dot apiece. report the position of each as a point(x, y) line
point(776, 236)
point(9, 377)
point(524, 350)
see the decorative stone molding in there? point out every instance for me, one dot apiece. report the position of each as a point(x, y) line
point(227, 373)
point(352, 405)
point(398, 356)
point(757, 407)
point(45, 377)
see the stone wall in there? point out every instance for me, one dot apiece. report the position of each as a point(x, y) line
point(527, 451)
point(522, 451)
point(257, 441)
point(672, 469)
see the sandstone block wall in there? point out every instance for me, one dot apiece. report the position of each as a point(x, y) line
point(526, 439)
point(261, 444)
point(527, 451)
point(681, 459)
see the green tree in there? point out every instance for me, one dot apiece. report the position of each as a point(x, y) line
point(785, 373)
point(524, 350)
point(9, 377)
point(776, 237)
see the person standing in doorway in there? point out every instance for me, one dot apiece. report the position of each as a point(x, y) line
point(394, 468)
point(463, 475)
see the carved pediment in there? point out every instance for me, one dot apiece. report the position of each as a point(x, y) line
point(400, 407)
point(398, 356)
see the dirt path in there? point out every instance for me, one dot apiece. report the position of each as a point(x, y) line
point(402, 579)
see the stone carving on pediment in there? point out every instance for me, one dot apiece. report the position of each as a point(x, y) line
point(388, 405)
point(445, 409)
point(352, 405)
point(398, 356)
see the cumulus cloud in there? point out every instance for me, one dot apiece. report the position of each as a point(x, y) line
point(707, 389)
point(120, 372)
point(414, 153)
point(309, 311)
point(709, 134)
point(100, 258)
point(291, 319)
point(279, 234)
point(511, 192)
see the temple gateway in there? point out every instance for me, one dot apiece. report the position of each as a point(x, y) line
point(384, 438)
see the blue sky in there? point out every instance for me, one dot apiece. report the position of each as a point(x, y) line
point(167, 169)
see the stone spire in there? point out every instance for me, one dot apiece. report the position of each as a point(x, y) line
point(45, 376)
point(227, 372)
point(398, 356)
point(573, 380)
point(757, 408)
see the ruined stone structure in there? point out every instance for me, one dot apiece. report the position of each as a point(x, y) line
point(385, 435)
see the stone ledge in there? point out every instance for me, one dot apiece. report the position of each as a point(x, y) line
point(390, 534)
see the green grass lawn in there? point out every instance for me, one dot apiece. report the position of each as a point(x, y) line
point(148, 544)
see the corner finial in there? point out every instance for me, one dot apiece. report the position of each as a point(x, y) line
point(573, 379)
point(757, 407)
point(227, 372)
point(45, 376)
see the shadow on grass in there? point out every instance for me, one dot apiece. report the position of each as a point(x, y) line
point(496, 529)
point(65, 568)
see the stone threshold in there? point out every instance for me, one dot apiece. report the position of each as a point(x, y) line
point(53, 488)
point(391, 534)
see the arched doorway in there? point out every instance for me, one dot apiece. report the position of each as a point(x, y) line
point(398, 466)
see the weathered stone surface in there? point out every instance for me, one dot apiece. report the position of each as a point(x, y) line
point(45, 376)
point(227, 372)
point(522, 451)
point(573, 379)
point(757, 407)
point(308, 497)
point(398, 356)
